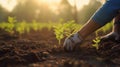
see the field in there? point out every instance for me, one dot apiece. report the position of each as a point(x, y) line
point(27, 46)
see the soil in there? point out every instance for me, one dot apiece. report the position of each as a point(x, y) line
point(41, 49)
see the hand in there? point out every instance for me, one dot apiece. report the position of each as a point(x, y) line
point(71, 42)
point(113, 36)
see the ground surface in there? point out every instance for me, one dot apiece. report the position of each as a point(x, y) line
point(41, 49)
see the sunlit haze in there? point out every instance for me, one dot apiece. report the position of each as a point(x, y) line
point(79, 3)
point(54, 3)
point(10, 4)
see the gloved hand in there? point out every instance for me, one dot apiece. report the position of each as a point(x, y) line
point(113, 36)
point(71, 42)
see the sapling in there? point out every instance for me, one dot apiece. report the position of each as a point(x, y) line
point(96, 42)
point(65, 29)
point(9, 26)
point(59, 32)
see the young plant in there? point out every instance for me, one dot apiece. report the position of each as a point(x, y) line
point(59, 32)
point(65, 29)
point(20, 27)
point(9, 26)
point(104, 29)
point(96, 42)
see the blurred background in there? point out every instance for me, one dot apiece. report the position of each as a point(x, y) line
point(48, 10)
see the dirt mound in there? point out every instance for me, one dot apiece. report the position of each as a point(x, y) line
point(21, 51)
point(110, 50)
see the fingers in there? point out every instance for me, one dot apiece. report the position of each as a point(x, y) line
point(71, 42)
point(68, 45)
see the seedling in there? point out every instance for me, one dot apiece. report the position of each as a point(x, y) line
point(65, 29)
point(59, 32)
point(9, 26)
point(96, 42)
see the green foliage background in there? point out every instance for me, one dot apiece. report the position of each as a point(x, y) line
point(61, 29)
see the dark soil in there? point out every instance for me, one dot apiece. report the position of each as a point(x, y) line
point(41, 49)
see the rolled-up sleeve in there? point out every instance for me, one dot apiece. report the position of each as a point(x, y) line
point(107, 12)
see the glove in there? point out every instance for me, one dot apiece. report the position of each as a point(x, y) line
point(113, 36)
point(71, 42)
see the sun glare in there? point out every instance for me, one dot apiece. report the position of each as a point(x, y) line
point(51, 1)
point(79, 3)
point(8, 4)
point(53, 4)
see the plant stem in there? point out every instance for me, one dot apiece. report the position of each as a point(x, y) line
point(59, 42)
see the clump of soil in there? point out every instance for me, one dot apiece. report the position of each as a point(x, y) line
point(110, 50)
point(21, 52)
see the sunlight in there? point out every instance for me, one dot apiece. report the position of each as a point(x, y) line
point(8, 4)
point(51, 1)
point(53, 4)
point(79, 3)
point(102, 1)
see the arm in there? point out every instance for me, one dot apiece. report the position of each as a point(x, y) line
point(105, 14)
